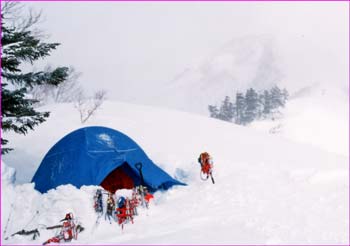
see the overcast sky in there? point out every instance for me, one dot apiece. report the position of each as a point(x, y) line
point(122, 46)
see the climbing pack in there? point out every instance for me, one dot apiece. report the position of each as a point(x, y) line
point(207, 166)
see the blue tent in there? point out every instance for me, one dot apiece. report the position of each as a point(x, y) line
point(99, 156)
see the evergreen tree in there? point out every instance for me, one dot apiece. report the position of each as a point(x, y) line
point(285, 96)
point(276, 97)
point(19, 46)
point(252, 106)
point(267, 103)
point(213, 110)
point(240, 109)
point(226, 110)
point(260, 109)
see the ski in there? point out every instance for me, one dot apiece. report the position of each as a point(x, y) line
point(35, 233)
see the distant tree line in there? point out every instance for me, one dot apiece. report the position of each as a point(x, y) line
point(250, 106)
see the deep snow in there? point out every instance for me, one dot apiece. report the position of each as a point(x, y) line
point(269, 190)
point(318, 115)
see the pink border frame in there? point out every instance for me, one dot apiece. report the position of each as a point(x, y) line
point(1, 236)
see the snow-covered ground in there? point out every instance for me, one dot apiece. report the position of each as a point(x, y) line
point(268, 190)
point(316, 115)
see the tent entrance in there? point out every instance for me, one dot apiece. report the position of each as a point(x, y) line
point(118, 179)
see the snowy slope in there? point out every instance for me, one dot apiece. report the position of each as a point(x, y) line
point(316, 115)
point(268, 190)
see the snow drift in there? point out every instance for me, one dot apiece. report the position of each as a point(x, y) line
point(268, 189)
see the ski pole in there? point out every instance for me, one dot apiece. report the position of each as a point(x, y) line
point(8, 219)
point(30, 221)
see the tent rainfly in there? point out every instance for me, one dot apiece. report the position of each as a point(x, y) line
point(99, 156)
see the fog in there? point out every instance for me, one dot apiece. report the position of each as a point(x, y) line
point(133, 48)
